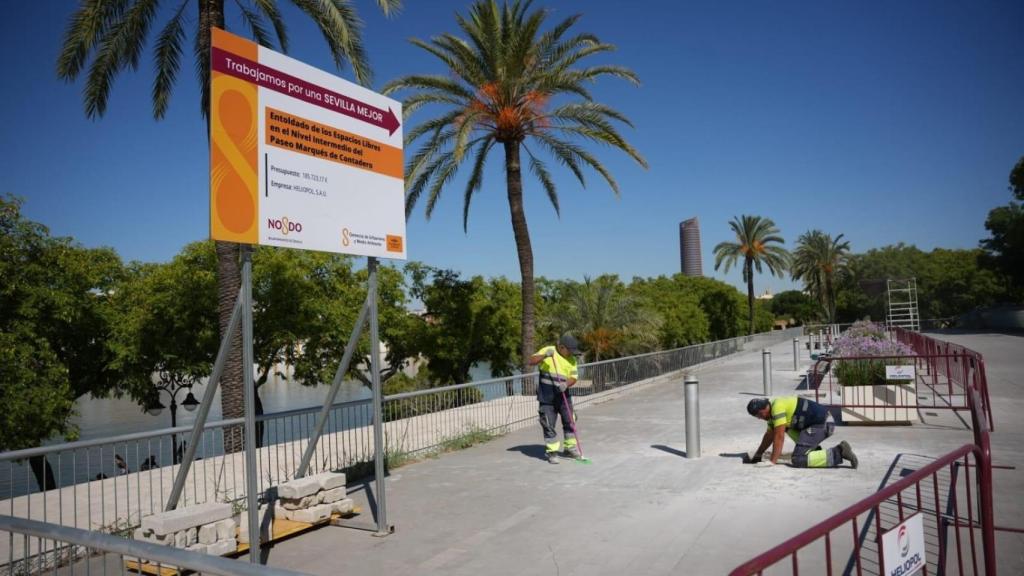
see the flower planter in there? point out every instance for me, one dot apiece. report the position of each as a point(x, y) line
point(880, 403)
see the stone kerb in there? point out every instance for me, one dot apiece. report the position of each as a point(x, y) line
point(206, 528)
point(313, 499)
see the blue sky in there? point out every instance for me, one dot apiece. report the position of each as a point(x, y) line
point(885, 121)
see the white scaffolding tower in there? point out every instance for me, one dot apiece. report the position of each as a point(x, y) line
point(902, 300)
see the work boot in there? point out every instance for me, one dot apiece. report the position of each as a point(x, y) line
point(553, 458)
point(847, 452)
point(573, 452)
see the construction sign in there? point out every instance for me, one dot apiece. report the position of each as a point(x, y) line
point(300, 158)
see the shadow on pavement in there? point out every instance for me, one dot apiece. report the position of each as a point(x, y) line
point(531, 450)
point(673, 451)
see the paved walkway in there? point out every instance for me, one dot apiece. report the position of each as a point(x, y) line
point(640, 507)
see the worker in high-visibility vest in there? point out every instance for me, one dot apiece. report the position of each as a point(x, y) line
point(807, 423)
point(556, 374)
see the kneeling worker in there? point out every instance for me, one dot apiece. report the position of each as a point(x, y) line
point(808, 424)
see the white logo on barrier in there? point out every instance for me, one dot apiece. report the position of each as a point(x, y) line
point(903, 547)
point(899, 373)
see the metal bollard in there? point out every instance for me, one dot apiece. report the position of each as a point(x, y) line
point(691, 390)
point(766, 370)
point(796, 352)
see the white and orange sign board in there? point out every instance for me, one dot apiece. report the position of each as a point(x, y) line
point(300, 158)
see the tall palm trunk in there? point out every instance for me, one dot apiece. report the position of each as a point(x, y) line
point(229, 277)
point(232, 397)
point(830, 298)
point(514, 184)
point(748, 273)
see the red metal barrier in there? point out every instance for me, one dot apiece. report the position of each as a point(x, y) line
point(944, 372)
point(956, 511)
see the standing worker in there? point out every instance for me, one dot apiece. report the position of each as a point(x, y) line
point(807, 423)
point(557, 373)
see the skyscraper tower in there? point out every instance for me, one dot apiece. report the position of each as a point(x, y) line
point(689, 248)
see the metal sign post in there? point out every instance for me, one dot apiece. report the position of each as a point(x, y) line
point(383, 528)
point(250, 407)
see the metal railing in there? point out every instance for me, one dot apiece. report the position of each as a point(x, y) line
point(942, 375)
point(954, 362)
point(957, 510)
point(957, 516)
point(73, 551)
point(78, 484)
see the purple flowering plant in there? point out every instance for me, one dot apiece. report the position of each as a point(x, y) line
point(867, 339)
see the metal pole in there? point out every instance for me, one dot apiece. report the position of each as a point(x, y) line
point(766, 370)
point(250, 407)
point(383, 528)
point(691, 389)
point(204, 406)
point(796, 352)
point(325, 411)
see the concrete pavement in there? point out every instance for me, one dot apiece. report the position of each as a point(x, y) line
point(641, 507)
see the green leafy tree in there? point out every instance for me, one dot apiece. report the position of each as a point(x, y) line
point(682, 320)
point(501, 87)
point(606, 318)
point(466, 322)
point(1004, 249)
point(54, 324)
point(758, 244)
point(107, 37)
point(796, 305)
point(817, 261)
point(949, 282)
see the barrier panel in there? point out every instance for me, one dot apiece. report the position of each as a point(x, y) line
point(953, 496)
point(949, 498)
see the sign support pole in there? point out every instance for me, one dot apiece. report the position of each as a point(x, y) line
point(383, 528)
point(250, 407)
point(325, 411)
point(204, 406)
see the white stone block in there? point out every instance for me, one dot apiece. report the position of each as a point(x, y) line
point(201, 548)
point(279, 512)
point(299, 487)
point(208, 533)
point(330, 480)
point(191, 536)
point(343, 507)
point(313, 514)
point(180, 539)
point(333, 495)
point(144, 535)
point(298, 503)
point(226, 528)
point(222, 547)
point(265, 520)
point(188, 517)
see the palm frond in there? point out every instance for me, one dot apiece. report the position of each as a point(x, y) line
point(168, 60)
point(120, 48)
point(87, 26)
point(270, 10)
point(541, 172)
point(254, 20)
point(476, 178)
point(342, 30)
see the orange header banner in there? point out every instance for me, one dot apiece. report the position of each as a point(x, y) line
point(291, 132)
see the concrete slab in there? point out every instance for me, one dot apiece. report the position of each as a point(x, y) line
point(186, 517)
point(641, 507)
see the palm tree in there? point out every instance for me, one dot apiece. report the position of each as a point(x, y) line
point(817, 260)
point(607, 320)
point(499, 89)
point(114, 34)
point(754, 238)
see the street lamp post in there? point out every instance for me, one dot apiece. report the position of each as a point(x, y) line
point(172, 383)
